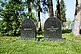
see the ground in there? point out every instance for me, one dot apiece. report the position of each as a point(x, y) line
point(15, 45)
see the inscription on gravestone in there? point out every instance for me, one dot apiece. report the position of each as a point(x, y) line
point(52, 28)
point(28, 29)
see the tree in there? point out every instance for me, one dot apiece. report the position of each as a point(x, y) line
point(62, 11)
point(39, 9)
point(10, 24)
point(76, 28)
point(37, 6)
point(58, 10)
point(50, 8)
point(29, 6)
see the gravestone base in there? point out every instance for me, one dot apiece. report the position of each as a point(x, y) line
point(54, 39)
point(28, 38)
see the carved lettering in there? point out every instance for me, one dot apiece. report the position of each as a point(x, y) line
point(26, 29)
point(52, 29)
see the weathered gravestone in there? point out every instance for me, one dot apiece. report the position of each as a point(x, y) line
point(28, 29)
point(52, 29)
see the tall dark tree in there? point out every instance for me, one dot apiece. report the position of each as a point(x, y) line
point(38, 11)
point(58, 10)
point(29, 8)
point(62, 11)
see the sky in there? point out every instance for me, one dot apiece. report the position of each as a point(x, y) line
point(70, 10)
point(70, 6)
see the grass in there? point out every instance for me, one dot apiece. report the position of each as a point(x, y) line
point(15, 45)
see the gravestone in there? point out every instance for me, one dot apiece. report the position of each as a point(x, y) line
point(28, 29)
point(52, 29)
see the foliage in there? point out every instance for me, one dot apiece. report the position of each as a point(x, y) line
point(15, 45)
point(66, 31)
point(13, 13)
point(45, 6)
point(30, 4)
point(10, 14)
point(62, 13)
point(69, 22)
point(0, 27)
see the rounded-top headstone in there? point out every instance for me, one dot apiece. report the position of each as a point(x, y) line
point(28, 29)
point(52, 28)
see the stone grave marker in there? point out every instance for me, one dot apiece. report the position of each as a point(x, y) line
point(28, 29)
point(52, 29)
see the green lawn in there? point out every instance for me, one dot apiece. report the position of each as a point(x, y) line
point(15, 45)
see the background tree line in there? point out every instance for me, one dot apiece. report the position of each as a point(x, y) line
point(13, 12)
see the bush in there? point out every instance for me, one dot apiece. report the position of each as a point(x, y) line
point(66, 31)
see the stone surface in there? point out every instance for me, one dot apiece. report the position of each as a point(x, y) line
point(28, 29)
point(52, 29)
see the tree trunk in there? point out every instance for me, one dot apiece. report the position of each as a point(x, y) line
point(29, 10)
point(76, 28)
point(58, 9)
point(39, 20)
point(50, 7)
